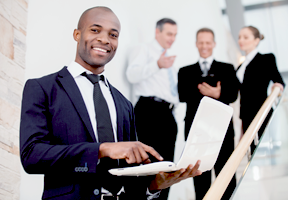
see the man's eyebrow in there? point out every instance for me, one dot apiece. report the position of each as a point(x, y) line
point(96, 25)
point(113, 29)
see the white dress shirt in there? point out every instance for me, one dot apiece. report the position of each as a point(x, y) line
point(146, 76)
point(86, 89)
point(241, 71)
point(209, 61)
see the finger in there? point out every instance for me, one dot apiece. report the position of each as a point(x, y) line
point(138, 155)
point(152, 151)
point(147, 161)
point(178, 173)
point(130, 158)
point(218, 84)
point(206, 85)
point(143, 155)
point(162, 175)
point(171, 57)
point(198, 173)
point(187, 172)
point(195, 169)
point(278, 85)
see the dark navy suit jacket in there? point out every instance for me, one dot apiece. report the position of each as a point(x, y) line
point(57, 139)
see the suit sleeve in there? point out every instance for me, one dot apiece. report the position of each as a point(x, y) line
point(275, 75)
point(40, 154)
point(229, 85)
point(187, 86)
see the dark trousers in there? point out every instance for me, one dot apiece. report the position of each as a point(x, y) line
point(156, 127)
point(246, 123)
point(202, 183)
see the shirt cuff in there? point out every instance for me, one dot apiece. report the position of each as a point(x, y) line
point(152, 196)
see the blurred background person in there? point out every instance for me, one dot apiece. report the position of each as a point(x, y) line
point(154, 81)
point(254, 75)
point(222, 86)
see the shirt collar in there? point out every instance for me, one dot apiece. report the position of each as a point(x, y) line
point(76, 70)
point(209, 60)
point(157, 45)
point(251, 55)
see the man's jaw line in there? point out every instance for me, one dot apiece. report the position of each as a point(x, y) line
point(94, 68)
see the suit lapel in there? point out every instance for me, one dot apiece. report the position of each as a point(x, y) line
point(198, 68)
point(213, 67)
point(251, 69)
point(119, 111)
point(238, 67)
point(75, 96)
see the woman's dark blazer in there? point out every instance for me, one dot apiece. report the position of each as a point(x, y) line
point(258, 73)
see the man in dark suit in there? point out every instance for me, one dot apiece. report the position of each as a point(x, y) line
point(62, 132)
point(211, 78)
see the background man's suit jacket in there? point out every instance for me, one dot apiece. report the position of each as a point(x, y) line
point(190, 76)
point(56, 138)
point(259, 72)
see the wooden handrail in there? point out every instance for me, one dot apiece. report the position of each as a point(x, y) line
point(223, 179)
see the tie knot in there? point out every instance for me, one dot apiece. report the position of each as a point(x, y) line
point(93, 78)
point(204, 62)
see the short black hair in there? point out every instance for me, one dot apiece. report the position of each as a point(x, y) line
point(163, 21)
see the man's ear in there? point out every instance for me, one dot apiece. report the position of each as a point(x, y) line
point(157, 31)
point(76, 35)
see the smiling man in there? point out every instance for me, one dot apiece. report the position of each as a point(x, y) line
point(75, 125)
point(211, 78)
point(154, 81)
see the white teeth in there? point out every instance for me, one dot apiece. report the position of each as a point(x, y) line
point(103, 50)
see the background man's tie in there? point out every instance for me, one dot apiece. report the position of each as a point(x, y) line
point(172, 82)
point(205, 71)
point(173, 88)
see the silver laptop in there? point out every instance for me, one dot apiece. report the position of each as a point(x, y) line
point(204, 141)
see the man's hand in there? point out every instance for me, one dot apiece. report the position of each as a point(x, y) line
point(164, 180)
point(165, 61)
point(132, 152)
point(208, 90)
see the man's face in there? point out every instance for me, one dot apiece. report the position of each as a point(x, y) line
point(205, 44)
point(167, 36)
point(97, 38)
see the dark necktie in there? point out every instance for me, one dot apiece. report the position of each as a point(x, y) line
point(105, 134)
point(104, 125)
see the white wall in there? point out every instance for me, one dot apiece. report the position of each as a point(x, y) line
point(50, 46)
